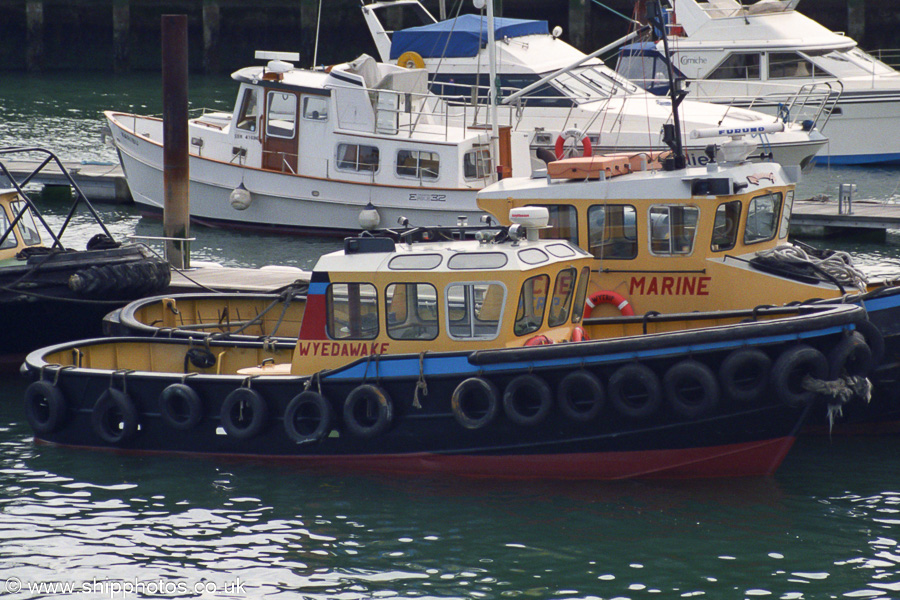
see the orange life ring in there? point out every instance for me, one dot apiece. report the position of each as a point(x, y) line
point(538, 340)
point(578, 135)
point(607, 297)
point(579, 334)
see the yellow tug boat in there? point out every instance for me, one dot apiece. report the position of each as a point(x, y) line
point(465, 351)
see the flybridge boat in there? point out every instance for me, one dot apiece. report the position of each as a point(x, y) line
point(313, 149)
point(762, 54)
point(450, 350)
point(586, 104)
point(51, 293)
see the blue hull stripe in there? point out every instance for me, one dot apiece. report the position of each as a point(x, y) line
point(459, 364)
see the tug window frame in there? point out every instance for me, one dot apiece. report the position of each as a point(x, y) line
point(356, 296)
point(416, 314)
point(11, 240)
point(532, 304)
point(31, 236)
point(615, 237)
point(476, 321)
point(581, 293)
point(754, 229)
point(564, 289)
point(563, 223)
point(674, 222)
point(724, 235)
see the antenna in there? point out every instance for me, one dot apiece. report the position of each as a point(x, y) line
point(671, 132)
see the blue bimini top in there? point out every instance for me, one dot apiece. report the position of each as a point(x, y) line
point(463, 36)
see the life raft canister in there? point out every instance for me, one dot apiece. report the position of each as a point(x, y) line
point(578, 136)
point(607, 297)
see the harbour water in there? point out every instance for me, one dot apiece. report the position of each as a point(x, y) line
point(108, 525)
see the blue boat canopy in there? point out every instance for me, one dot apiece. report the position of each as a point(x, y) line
point(463, 36)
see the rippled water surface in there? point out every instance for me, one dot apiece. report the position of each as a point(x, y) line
point(112, 525)
point(826, 526)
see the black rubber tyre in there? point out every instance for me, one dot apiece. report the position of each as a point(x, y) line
point(580, 396)
point(744, 375)
point(635, 391)
point(874, 338)
point(850, 357)
point(180, 407)
point(475, 402)
point(307, 418)
point(114, 418)
point(692, 389)
point(527, 400)
point(368, 411)
point(235, 420)
point(789, 370)
point(45, 407)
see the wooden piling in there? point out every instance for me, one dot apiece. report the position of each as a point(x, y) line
point(578, 23)
point(176, 172)
point(34, 24)
point(211, 25)
point(121, 13)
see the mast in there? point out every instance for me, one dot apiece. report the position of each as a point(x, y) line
point(671, 132)
point(492, 78)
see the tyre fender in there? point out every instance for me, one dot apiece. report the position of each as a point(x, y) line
point(580, 396)
point(692, 389)
point(234, 413)
point(527, 400)
point(475, 402)
point(368, 410)
point(180, 406)
point(850, 357)
point(45, 407)
point(635, 391)
point(744, 374)
point(114, 417)
point(307, 417)
point(789, 370)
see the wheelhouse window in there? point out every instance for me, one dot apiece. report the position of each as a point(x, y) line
point(738, 66)
point(352, 311)
point(725, 226)
point(418, 164)
point(612, 231)
point(474, 310)
point(411, 310)
point(27, 227)
point(790, 65)
point(532, 302)
point(281, 115)
point(249, 110)
point(561, 300)
point(563, 223)
point(315, 108)
point(762, 218)
point(11, 241)
point(581, 294)
point(477, 164)
point(786, 215)
point(672, 229)
point(353, 157)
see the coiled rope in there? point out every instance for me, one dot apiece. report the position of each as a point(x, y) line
point(837, 265)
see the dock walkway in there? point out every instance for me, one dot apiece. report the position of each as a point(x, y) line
point(815, 217)
point(100, 181)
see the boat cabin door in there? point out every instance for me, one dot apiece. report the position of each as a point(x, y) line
point(279, 132)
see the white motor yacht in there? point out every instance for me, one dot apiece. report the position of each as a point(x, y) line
point(586, 102)
point(763, 54)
